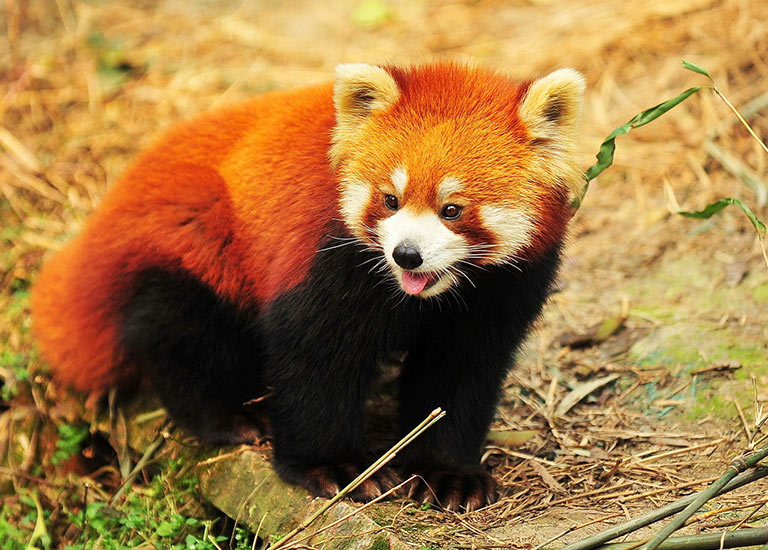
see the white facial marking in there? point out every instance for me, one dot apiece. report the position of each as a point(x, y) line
point(355, 195)
point(439, 247)
point(449, 186)
point(512, 228)
point(399, 180)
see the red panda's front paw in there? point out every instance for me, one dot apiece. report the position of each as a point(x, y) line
point(453, 490)
point(326, 481)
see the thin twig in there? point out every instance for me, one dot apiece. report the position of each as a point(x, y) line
point(677, 452)
point(741, 118)
point(743, 418)
point(358, 510)
point(433, 417)
point(667, 489)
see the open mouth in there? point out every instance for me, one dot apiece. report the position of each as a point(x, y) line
point(415, 282)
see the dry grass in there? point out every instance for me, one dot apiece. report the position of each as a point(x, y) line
point(84, 86)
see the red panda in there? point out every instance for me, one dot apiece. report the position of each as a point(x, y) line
point(286, 245)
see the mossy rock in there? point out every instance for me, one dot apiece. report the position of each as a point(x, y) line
point(243, 485)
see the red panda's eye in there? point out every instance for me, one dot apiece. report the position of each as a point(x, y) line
point(390, 201)
point(451, 211)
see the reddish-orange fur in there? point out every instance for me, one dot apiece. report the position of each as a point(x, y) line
point(484, 145)
point(238, 197)
point(241, 197)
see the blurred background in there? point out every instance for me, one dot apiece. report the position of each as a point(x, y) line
point(87, 84)
point(84, 85)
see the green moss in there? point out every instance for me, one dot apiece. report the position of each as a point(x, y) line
point(656, 313)
point(380, 543)
point(760, 293)
point(710, 403)
point(697, 344)
point(753, 359)
point(717, 401)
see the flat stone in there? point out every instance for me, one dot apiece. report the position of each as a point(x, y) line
point(243, 485)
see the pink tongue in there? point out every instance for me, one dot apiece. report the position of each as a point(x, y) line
point(413, 283)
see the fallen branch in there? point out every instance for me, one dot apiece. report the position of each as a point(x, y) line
point(709, 541)
point(665, 511)
point(738, 466)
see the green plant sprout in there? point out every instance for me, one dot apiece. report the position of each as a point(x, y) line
point(608, 148)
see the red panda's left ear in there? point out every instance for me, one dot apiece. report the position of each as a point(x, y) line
point(551, 108)
point(360, 90)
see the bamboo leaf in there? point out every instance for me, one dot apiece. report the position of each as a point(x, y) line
point(715, 207)
point(511, 438)
point(608, 147)
point(696, 69)
point(581, 391)
point(605, 155)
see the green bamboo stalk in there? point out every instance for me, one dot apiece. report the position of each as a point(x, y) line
point(737, 466)
point(663, 512)
point(739, 538)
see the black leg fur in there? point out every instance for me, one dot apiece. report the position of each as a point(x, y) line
point(325, 340)
point(316, 349)
point(460, 365)
point(200, 353)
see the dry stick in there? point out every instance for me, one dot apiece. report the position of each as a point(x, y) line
point(741, 119)
point(728, 523)
point(576, 528)
point(737, 466)
point(743, 418)
point(584, 495)
point(706, 515)
point(433, 417)
point(258, 530)
point(709, 541)
point(358, 510)
point(668, 489)
point(663, 512)
point(676, 452)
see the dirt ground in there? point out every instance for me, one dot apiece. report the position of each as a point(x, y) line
point(675, 309)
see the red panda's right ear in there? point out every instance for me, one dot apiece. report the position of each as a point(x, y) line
point(551, 110)
point(360, 89)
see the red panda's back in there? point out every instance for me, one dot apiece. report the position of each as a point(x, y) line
point(230, 197)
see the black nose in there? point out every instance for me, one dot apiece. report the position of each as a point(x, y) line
point(406, 256)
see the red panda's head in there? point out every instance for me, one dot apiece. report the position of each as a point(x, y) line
point(442, 166)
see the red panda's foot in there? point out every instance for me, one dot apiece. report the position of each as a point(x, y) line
point(453, 490)
point(327, 480)
point(235, 429)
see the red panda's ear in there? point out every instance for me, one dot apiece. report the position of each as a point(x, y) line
point(551, 108)
point(360, 89)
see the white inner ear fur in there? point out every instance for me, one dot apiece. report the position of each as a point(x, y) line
point(551, 111)
point(359, 90)
point(552, 105)
point(512, 228)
